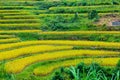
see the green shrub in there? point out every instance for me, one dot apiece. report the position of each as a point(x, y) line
point(3, 74)
point(54, 24)
point(115, 2)
point(92, 14)
point(84, 3)
point(88, 72)
point(75, 18)
point(58, 76)
point(118, 65)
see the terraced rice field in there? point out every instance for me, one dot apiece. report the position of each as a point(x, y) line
point(9, 40)
point(48, 68)
point(37, 37)
point(12, 67)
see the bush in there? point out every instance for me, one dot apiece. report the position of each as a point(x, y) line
point(58, 76)
point(93, 14)
point(45, 5)
point(3, 74)
point(84, 3)
point(91, 72)
point(118, 65)
point(54, 24)
point(115, 2)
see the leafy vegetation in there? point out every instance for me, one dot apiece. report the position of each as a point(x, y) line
point(85, 72)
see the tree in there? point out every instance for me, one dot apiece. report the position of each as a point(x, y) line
point(84, 3)
point(76, 16)
point(92, 14)
point(54, 24)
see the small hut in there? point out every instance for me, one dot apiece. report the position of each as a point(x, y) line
point(116, 23)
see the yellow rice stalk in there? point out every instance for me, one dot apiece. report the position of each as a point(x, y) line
point(18, 20)
point(82, 43)
point(6, 36)
point(63, 15)
point(13, 11)
point(18, 65)
point(16, 7)
point(17, 13)
point(80, 32)
point(30, 50)
point(70, 14)
point(84, 9)
point(21, 0)
point(20, 25)
point(21, 17)
point(9, 40)
point(23, 12)
point(19, 31)
point(64, 42)
point(48, 68)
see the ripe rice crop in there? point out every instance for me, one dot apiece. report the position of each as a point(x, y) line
point(13, 11)
point(19, 20)
point(9, 40)
point(22, 0)
point(19, 31)
point(46, 69)
point(13, 14)
point(80, 32)
point(89, 2)
point(7, 36)
point(71, 15)
point(81, 35)
point(64, 42)
point(18, 2)
point(94, 2)
point(20, 25)
point(82, 43)
point(18, 65)
point(16, 7)
point(22, 11)
point(64, 15)
point(21, 17)
point(84, 9)
point(30, 50)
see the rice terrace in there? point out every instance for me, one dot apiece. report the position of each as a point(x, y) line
point(59, 39)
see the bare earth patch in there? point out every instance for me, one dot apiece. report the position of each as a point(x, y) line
point(108, 19)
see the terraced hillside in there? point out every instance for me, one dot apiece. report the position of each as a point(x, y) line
point(38, 37)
